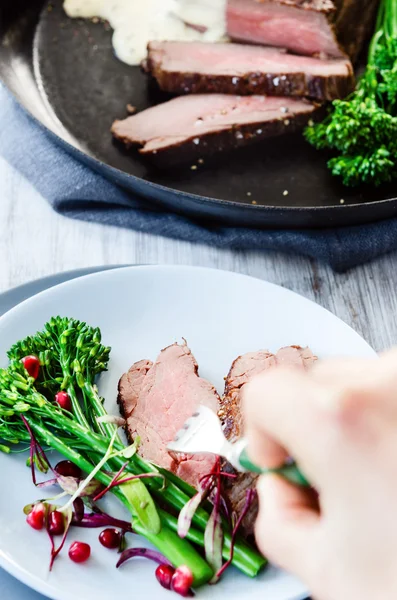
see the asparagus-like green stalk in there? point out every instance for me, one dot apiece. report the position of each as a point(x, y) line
point(178, 551)
point(245, 558)
point(72, 355)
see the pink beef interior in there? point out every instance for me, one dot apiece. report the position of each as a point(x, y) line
point(239, 59)
point(157, 398)
point(247, 366)
point(294, 356)
point(185, 117)
point(244, 369)
point(281, 24)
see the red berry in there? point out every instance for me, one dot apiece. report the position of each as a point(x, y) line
point(79, 552)
point(32, 365)
point(56, 523)
point(37, 516)
point(182, 581)
point(110, 538)
point(64, 401)
point(66, 468)
point(164, 575)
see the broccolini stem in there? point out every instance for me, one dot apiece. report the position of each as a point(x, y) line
point(245, 559)
point(78, 413)
point(178, 551)
point(393, 18)
point(99, 410)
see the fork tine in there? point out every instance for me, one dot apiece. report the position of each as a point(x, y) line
point(200, 433)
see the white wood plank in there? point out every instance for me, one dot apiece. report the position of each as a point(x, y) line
point(35, 242)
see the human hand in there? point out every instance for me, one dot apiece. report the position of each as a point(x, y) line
point(339, 422)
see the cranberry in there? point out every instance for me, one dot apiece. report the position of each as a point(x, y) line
point(182, 581)
point(164, 575)
point(64, 401)
point(56, 523)
point(110, 538)
point(36, 516)
point(79, 552)
point(66, 468)
point(32, 365)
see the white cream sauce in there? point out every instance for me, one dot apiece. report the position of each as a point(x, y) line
point(137, 22)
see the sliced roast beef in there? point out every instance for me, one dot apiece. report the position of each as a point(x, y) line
point(157, 398)
point(312, 27)
point(191, 127)
point(242, 371)
point(199, 67)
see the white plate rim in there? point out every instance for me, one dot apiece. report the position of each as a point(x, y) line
point(180, 268)
point(16, 570)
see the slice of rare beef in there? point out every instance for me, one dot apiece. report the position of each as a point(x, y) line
point(199, 67)
point(191, 127)
point(243, 370)
point(157, 398)
point(311, 27)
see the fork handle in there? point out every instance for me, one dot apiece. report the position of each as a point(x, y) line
point(290, 472)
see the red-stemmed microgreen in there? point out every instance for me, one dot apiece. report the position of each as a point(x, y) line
point(213, 535)
point(36, 453)
point(68, 515)
point(250, 496)
point(153, 555)
point(188, 511)
point(79, 491)
point(101, 519)
point(118, 480)
point(71, 356)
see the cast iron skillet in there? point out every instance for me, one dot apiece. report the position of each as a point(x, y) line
point(63, 71)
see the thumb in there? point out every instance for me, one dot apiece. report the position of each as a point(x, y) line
point(287, 522)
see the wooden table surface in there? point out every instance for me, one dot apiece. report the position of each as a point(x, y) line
point(35, 242)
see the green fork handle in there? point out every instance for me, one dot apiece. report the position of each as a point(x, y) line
point(290, 472)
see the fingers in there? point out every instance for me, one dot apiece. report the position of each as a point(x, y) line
point(263, 449)
point(287, 525)
point(308, 415)
point(361, 387)
point(282, 418)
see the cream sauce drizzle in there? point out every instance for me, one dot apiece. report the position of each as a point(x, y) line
point(137, 22)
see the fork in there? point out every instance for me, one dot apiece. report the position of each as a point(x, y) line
point(202, 433)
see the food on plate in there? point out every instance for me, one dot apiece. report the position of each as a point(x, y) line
point(157, 398)
point(243, 369)
point(190, 127)
point(198, 67)
point(136, 22)
point(362, 131)
point(71, 356)
point(312, 27)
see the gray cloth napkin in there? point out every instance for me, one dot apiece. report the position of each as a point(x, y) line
point(74, 190)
